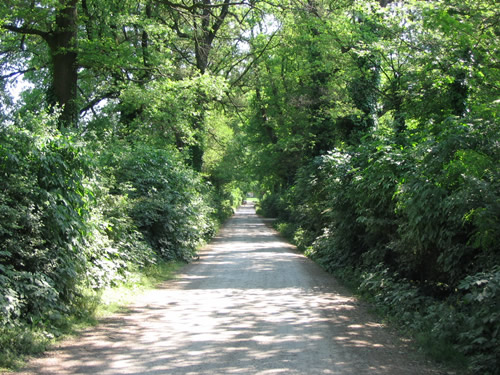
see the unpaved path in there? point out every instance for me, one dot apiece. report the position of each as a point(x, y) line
point(251, 305)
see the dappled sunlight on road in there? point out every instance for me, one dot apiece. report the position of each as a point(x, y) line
point(251, 305)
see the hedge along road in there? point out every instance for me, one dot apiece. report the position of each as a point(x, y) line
point(251, 305)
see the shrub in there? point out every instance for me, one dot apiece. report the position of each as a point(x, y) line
point(167, 201)
point(273, 205)
point(479, 336)
point(448, 204)
point(43, 211)
point(114, 247)
point(340, 244)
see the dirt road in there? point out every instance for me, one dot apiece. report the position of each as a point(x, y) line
point(251, 305)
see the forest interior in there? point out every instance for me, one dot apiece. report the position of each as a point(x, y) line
point(130, 130)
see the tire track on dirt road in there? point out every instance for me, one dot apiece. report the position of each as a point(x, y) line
point(251, 305)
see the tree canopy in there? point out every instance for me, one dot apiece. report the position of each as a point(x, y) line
point(369, 128)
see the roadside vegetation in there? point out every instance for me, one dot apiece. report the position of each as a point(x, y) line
point(75, 223)
point(380, 128)
point(130, 130)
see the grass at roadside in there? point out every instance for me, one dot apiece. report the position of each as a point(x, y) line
point(112, 300)
point(20, 342)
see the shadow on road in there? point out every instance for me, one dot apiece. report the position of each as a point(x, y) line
point(252, 305)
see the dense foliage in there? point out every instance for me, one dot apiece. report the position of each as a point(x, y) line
point(74, 221)
point(379, 126)
point(44, 205)
point(130, 129)
point(111, 154)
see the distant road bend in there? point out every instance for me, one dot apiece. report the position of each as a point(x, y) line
point(251, 305)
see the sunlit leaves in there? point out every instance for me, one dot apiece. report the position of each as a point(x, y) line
point(45, 204)
point(407, 186)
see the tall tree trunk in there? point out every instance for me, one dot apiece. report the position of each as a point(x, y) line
point(62, 42)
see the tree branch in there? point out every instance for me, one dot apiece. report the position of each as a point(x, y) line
point(183, 55)
point(26, 30)
point(196, 6)
point(254, 60)
point(19, 72)
point(220, 19)
point(91, 104)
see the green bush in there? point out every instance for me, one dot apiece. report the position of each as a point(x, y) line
point(225, 199)
point(72, 221)
point(434, 324)
point(462, 325)
point(114, 247)
point(479, 335)
point(448, 204)
point(340, 243)
point(420, 222)
point(43, 212)
point(168, 201)
point(273, 205)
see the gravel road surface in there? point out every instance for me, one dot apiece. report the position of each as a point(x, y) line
point(251, 305)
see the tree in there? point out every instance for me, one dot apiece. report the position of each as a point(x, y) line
point(300, 89)
point(197, 25)
point(57, 26)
